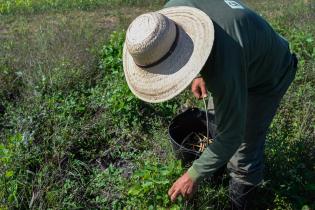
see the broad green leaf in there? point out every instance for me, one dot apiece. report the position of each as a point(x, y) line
point(9, 173)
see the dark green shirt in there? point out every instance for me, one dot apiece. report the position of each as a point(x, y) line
point(248, 57)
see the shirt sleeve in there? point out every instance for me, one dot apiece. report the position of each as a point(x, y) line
point(226, 80)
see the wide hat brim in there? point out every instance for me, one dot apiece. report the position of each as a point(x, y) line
point(171, 76)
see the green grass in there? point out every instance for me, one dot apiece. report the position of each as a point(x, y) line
point(72, 135)
point(36, 6)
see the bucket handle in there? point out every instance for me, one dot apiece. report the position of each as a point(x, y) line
point(204, 102)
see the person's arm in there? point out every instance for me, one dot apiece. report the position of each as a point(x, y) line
point(229, 90)
point(227, 83)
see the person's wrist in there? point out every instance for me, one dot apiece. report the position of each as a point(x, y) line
point(193, 174)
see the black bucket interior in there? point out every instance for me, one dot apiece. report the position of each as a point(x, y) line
point(192, 120)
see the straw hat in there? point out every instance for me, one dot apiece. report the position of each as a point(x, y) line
point(165, 50)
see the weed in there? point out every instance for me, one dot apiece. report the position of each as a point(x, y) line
point(149, 186)
point(35, 6)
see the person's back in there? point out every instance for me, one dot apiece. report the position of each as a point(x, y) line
point(249, 36)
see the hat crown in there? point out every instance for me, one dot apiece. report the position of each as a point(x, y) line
point(149, 37)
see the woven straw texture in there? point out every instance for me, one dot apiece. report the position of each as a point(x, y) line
point(150, 36)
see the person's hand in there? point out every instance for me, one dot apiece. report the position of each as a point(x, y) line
point(184, 186)
point(198, 87)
